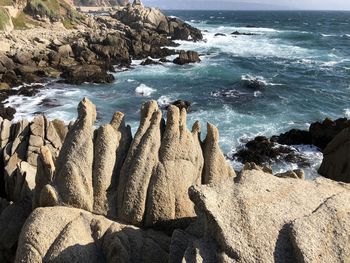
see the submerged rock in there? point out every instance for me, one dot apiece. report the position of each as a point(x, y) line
point(262, 151)
point(236, 33)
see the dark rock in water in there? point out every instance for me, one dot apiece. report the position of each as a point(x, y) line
point(7, 113)
point(164, 60)
point(320, 134)
point(323, 133)
point(11, 78)
point(181, 34)
point(220, 35)
point(254, 84)
point(149, 61)
point(263, 151)
point(162, 52)
point(293, 137)
point(187, 57)
point(50, 103)
point(87, 73)
point(182, 104)
point(236, 33)
point(250, 26)
point(30, 90)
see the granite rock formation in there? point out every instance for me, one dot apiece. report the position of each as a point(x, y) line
point(106, 193)
point(143, 181)
point(62, 234)
point(335, 164)
point(263, 218)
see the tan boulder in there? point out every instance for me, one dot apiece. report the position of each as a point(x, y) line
point(24, 182)
point(249, 219)
point(106, 145)
point(180, 166)
point(111, 145)
point(139, 165)
point(72, 183)
point(216, 168)
point(44, 175)
point(5, 132)
point(296, 174)
point(62, 234)
point(323, 236)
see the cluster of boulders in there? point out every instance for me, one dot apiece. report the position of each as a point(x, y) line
point(20, 145)
point(141, 180)
point(279, 148)
point(90, 52)
point(79, 194)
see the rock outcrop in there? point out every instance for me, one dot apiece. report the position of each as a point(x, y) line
point(187, 57)
point(72, 181)
point(215, 165)
point(111, 146)
point(335, 164)
point(141, 181)
point(263, 218)
point(20, 145)
point(62, 234)
point(61, 42)
point(322, 235)
point(319, 133)
point(180, 166)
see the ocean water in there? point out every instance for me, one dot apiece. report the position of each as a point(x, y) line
point(302, 58)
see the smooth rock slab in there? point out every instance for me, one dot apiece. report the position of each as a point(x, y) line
point(324, 235)
point(249, 219)
point(62, 234)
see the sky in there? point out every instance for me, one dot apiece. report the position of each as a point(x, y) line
point(251, 4)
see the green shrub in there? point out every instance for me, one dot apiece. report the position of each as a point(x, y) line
point(22, 21)
point(49, 8)
point(55, 10)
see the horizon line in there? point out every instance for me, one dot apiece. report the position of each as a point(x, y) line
point(278, 10)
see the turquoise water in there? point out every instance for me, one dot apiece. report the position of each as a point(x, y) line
point(303, 59)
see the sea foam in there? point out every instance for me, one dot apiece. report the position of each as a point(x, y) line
point(144, 90)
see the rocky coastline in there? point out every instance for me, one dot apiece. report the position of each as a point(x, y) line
point(74, 192)
point(163, 195)
point(90, 51)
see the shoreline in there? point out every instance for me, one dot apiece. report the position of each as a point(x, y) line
point(160, 188)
